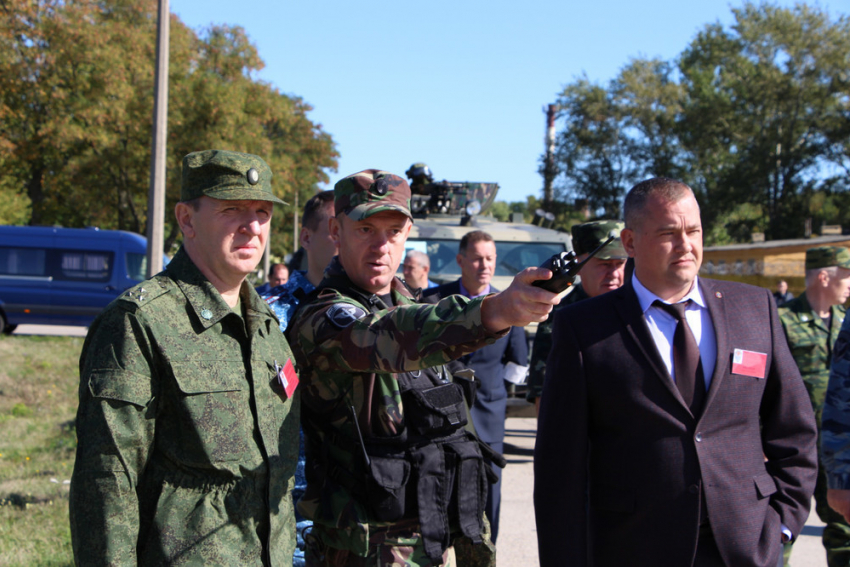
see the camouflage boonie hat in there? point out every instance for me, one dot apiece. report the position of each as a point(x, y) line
point(827, 256)
point(588, 236)
point(371, 191)
point(229, 176)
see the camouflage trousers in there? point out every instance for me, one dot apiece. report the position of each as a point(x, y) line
point(399, 546)
point(836, 533)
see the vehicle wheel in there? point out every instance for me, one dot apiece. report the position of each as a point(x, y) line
point(5, 327)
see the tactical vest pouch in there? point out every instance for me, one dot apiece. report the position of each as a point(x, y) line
point(387, 487)
point(433, 494)
point(435, 411)
point(470, 488)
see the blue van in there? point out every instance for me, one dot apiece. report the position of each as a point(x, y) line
point(65, 276)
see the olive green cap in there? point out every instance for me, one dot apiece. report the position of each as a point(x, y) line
point(225, 175)
point(588, 236)
point(362, 194)
point(827, 256)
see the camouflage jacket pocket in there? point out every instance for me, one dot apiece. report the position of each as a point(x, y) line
point(214, 399)
point(209, 376)
point(121, 386)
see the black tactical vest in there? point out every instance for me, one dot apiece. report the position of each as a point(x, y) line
point(434, 470)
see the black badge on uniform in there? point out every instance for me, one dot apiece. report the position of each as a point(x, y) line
point(344, 314)
point(382, 185)
point(253, 176)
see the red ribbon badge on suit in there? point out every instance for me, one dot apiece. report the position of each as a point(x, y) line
point(749, 363)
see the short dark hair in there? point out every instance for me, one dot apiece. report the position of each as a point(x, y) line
point(194, 203)
point(663, 187)
point(472, 238)
point(314, 208)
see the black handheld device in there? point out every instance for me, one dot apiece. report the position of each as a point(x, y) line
point(565, 268)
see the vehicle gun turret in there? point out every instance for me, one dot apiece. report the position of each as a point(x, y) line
point(463, 198)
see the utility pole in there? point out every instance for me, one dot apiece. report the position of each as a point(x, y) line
point(295, 232)
point(156, 196)
point(549, 167)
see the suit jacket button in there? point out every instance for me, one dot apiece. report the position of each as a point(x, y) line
point(693, 489)
point(698, 437)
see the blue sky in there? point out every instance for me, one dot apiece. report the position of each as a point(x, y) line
point(460, 85)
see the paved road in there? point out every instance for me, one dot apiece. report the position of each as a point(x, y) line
point(517, 545)
point(53, 330)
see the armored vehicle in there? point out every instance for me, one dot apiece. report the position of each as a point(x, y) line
point(446, 210)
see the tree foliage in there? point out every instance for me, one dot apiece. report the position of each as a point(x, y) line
point(76, 105)
point(755, 113)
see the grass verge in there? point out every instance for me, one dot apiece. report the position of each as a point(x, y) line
point(38, 401)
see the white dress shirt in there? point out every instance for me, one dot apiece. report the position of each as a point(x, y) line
point(662, 327)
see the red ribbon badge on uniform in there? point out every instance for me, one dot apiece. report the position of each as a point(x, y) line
point(287, 377)
point(749, 363)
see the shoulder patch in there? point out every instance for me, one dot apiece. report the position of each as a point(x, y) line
point(344, 314)
point(144, 292)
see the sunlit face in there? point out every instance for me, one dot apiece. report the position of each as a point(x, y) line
point(279, 276)
point(839, 286)
point(601, 276)
point(371, 249)
point(666, 244)
point(225, 239)
point(477, 264)
point(415, 273)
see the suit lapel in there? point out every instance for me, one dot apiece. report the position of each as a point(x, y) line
point(631, 314)
point(717, 310)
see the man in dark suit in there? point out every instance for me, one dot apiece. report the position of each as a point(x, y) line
point(646, 456)
point(477, 260)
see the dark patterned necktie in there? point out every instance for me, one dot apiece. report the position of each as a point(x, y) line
point(686, 361)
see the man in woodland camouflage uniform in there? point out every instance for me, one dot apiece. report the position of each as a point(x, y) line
point(392, 473)
point(603, 273)
point(811, 323)
point(187, 426)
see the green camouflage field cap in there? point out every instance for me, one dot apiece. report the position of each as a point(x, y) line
point(588, 236)
point(371, 191)
point(826, 256)
point(229, 176)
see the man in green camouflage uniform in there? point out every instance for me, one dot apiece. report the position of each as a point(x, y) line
point(187, 431)
point(602, 273)
point(811, 323)
point(393, 476)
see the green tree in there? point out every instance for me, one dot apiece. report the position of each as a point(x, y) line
point(593, 152)
point(76, 102)
point(754, 113)
point(616, 136)
point(765, 103)
point(37, 79)
point(648, 98)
